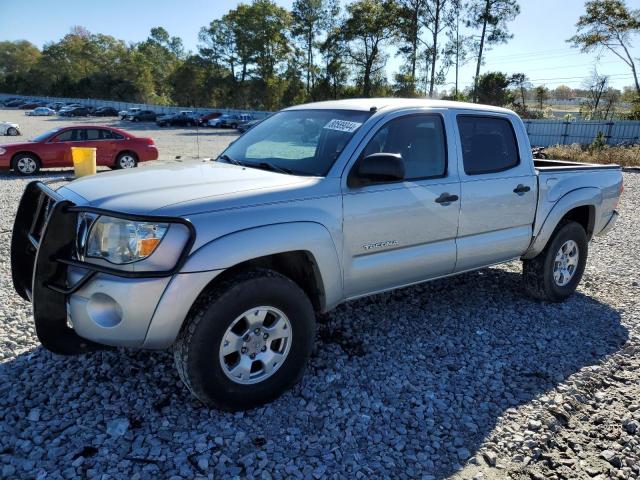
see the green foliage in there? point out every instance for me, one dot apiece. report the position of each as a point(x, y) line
point(608, 24)
point(493, 89)
point(599, 142)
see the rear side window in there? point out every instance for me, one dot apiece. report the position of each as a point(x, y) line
point(488, 144)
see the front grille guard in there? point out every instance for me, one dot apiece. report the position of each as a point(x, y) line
point(41, 253)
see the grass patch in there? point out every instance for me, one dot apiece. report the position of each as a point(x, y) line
point(624, 156)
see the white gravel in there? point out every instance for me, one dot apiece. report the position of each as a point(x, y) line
point(462, 378)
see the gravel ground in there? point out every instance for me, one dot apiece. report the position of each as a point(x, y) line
point(461, 378)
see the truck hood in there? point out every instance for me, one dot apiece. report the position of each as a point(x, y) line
point(186, 189)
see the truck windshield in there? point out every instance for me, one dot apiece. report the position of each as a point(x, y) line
point(300, 142)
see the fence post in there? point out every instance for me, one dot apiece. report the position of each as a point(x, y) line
point(609, 132)
point(565, 133)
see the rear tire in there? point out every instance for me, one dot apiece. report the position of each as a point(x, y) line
point(126, 160)
point(12, 132)
point(26, 164)
point(556, 272)
point(213, 352)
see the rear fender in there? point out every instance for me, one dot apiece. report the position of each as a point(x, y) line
point(589, 196)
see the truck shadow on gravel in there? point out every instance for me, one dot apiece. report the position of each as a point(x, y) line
point(407, 383)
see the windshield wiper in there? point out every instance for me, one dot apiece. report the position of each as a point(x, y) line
point(272, 167)
point(227, 158)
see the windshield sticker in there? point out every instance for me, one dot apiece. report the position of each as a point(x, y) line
point(342, 125)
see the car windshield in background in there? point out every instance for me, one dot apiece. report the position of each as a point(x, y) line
point(45, 135)
point(301, 142)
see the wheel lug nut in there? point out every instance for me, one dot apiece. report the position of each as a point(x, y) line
point(265, 336)
point(263, 349)
point(243, 350)
point(253, 355)
point(256, 331)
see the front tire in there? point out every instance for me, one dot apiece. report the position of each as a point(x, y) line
point(12, 132)
point(247, 341)
point(556, 272)
point(26, 164)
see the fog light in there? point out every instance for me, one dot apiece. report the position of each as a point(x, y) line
point(104, 310)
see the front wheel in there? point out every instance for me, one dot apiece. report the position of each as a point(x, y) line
point(556, 272)
point(26, 164)
point(12, 132)
point(247, 341)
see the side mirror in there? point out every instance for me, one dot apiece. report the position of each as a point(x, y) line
point(377, 168)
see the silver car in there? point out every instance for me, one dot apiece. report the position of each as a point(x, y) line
point(228, 262)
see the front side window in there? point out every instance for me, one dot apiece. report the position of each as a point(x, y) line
point(488, 144)
point(72, 135)
point(419, 139)
point(301, 142)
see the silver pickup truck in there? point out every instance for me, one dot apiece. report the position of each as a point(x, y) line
point(228, 261)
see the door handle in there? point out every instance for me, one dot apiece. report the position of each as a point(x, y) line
point(521, 189)
point(445, 198)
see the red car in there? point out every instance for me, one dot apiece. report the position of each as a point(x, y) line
point(115, 148)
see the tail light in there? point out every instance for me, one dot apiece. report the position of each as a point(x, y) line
point(149, 142)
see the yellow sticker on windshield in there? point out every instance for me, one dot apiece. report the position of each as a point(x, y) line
point(342, 125)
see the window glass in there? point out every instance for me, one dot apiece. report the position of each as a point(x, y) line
point(93, 134)
point(116, 136)
point(488, 144)
point(72, 135)
point(305, 142)
point(419, 139)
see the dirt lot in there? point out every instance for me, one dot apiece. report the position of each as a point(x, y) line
point(459, 378)
point(172, 142)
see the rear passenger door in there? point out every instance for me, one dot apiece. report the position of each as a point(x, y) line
point(100, 139)
point(498, 191)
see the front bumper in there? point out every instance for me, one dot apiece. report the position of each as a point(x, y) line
point(79, 306)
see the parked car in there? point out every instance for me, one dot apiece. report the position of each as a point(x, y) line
point(6, 101)
point(106, 112)
point(229, 121)
point(68, 107)
point(115, 148)
point(243, 127)
point(143, 116)
point(204, 119)
point(229, 261)
point(124, 114)
point(75, 112)
point(40, 112)
point(17, 103)
point(186, 118)
point(11, 129)
point(56, 105)
point(29, 105)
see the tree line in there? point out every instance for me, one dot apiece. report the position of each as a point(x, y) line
point(260, 55)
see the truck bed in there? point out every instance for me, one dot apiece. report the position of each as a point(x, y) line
point(562, 165)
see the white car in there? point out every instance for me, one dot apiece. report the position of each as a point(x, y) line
point(40, 112)
point(8, 128)
point(125, 114)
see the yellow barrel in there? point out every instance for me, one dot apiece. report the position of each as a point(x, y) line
point(84, 161)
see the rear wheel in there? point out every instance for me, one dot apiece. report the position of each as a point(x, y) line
point(247, 341)
point(126, 160)
point(556, 272)
point(26, 164)
point(12, 132)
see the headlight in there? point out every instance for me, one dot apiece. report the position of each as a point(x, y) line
point(121, 241)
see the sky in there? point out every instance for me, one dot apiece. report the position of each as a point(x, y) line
point(538, 47)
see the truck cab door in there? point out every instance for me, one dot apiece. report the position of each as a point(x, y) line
point(400, 233)
point(498, 188)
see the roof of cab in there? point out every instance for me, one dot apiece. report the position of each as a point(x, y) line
point(366, 104)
